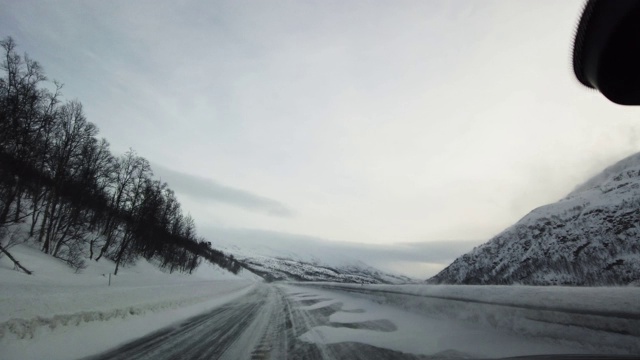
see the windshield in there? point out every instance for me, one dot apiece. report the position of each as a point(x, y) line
point(300, 179)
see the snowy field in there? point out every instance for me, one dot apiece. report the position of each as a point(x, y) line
point(57, 306)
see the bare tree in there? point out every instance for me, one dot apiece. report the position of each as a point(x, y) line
point(80, 199)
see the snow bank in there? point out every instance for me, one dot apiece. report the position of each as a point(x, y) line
point(116, 303)
point(57, 304)
point(78, 340)
point(599, 318)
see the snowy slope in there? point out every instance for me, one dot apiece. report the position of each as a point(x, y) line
point(591, 237)
point(309, 261)
point(55, 300)
point(290, 269)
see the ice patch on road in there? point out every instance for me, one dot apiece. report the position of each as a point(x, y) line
point(351, 317)
point(598, 319)
point(377, 325)
point(355, 311)
point(320, 304)
point(418, 334)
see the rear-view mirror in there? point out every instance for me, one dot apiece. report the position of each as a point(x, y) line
point(606, 54)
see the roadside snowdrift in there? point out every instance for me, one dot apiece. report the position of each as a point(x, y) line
point(57, 301)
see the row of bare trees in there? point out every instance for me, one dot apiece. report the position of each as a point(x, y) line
point(72, 197)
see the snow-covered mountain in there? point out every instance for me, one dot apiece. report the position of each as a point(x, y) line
point(305, 261)
point(289, 269)
point(591, 237)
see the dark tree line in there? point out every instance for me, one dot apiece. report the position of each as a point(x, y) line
point(73, 197)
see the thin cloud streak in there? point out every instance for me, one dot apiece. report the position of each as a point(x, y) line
point(207, 190)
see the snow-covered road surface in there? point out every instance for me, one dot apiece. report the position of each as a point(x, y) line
point(285, 321)
point(232, 331)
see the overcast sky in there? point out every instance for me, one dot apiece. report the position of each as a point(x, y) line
point(376, 122)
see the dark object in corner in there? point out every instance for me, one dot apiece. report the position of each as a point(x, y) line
point(606, 49)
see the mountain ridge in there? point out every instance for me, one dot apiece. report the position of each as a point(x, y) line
point(320, 265)
point(589, 237)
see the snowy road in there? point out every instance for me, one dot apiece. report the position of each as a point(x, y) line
point(279, 322)
point(264, 324)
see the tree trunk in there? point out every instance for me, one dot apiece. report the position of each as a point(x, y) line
point(61, 240)
point(34, 220)
point(91, 248)
point(123, 247)
point(52, 222)
point(7, 207)
point(35, 215)
point(15, 262)
point(43, 225)
point(106, 245)
point(18, 204)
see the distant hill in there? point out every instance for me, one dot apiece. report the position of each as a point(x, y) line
point(591, 237)
point(272, 269)
point(308, 261)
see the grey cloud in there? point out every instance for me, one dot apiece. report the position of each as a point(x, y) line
point(205, 189)
point(427, 252)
